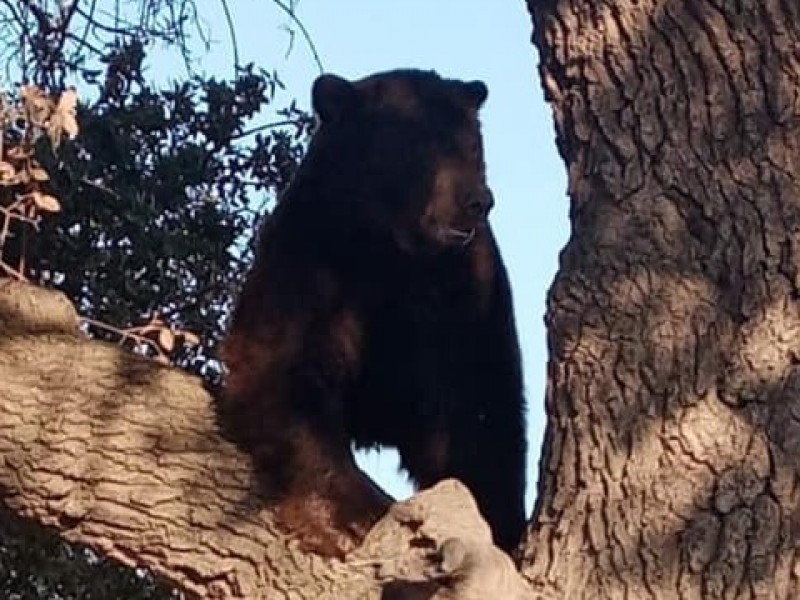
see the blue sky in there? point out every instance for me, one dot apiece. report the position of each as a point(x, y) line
point(467, 39)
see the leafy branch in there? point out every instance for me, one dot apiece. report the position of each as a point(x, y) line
point(24, 197)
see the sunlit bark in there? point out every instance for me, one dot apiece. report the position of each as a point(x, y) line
point(670, 467)
point(123, 455)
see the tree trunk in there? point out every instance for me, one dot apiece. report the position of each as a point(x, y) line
point(670, 467)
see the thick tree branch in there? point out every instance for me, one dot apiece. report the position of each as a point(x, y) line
point(124, 455)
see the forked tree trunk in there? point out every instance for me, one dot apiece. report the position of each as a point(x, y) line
point(671, 458)
point(670, 466)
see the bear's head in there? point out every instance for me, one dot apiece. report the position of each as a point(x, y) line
point(399, 154)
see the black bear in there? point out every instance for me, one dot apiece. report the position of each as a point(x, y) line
point(378, 312)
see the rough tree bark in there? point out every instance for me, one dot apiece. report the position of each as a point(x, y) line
point(123, 455)
point(671, 458)
point(670, 464)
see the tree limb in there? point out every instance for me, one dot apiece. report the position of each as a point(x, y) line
point(124, 455)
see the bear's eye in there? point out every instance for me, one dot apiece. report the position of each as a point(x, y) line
point(470, 147)
point(475, 148)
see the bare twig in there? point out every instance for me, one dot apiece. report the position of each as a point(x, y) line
point(81, 40)
point(128, 335)
point(12, 214)
point(100, 187)
point(12, 272)
point(289, 10)
point(231, 33)
point(156, 335)
point(273, 125)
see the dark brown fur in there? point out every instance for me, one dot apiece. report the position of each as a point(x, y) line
point(372, 315)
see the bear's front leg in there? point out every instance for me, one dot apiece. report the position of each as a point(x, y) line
point(486, 452)
point(325, 502)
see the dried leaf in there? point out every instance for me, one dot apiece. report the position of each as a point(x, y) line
point(39, 174)
point(7, 172)
point(63, 121)
point(19, 153)
point(31, 94)
point(37, 104)
point(166, 339)
point(45, 202)
point(190, 339)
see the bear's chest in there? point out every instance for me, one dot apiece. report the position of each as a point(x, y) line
point(429, 327)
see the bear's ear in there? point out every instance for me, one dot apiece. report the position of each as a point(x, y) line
point(332, 97)
point(476, 92)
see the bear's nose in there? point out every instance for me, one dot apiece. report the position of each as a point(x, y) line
point(478, 204)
